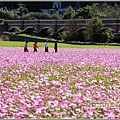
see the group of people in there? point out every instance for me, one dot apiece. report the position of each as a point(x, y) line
point(35, 47)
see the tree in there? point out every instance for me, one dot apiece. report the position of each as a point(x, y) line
point(97, 10)
point(6, 14)
point(105, 10)
point(85, 12)
point(100, 10)
point(22, 9)
point(69, 14)
point(94, 25)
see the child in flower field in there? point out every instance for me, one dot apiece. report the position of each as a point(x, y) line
point(55, 46)
point(35, 46)
point(46, 46)
point(25, 47)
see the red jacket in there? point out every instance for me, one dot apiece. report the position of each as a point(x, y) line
point(35, 45)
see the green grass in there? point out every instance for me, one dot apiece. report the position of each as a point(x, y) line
point(44, 38)
point(60, 45)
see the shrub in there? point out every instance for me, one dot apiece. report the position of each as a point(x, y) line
point(36, 15)
point(7, 14)
point(56, 16)
point(106, 36)
point(4, 37)
point(82, 35)
point(66, 35)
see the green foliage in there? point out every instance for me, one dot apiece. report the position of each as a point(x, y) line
point(91, 34)
point(29, 31)
point(39, 15)
point(99, 10)
point(82, 35)
point(57, 16)
point(94, 32)
point(86, 35)
point(22, 9)
point(36, 15)
point(66, 35)
point(106, 36)
point(69, 14)
point(85, 12)
point(104, 10)
point(94, 25)
point(17, 30)
point(45, 16)
point(4, 14)
point(49, 32)
point(29, 16)
point(45, 32)
point(93, 13)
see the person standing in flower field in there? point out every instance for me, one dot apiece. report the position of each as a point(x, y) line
point(55, 46)
point(26, 47)
point(46, 46)
point(35, 46)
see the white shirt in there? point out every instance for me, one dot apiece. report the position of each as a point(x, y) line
point(46, 44)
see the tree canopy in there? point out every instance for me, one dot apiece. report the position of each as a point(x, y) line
point(100, 10)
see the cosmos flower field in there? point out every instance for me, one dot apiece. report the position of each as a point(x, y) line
point(72, 83)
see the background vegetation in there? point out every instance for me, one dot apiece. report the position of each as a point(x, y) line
point(93, 12)
point(20, 11)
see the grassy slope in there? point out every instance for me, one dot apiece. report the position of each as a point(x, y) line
point(60, 45)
